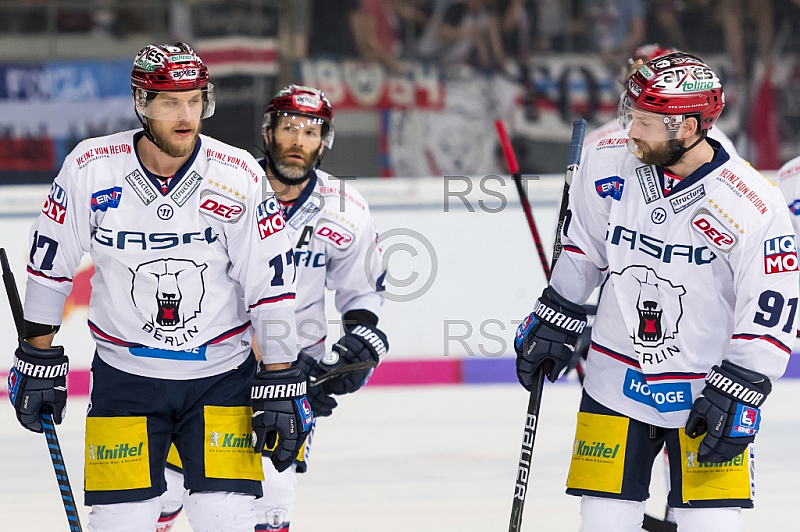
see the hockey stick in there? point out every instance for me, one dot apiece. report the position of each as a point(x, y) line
point(513, 167)
point(54, 447)
point(535, 400)
point(653, 524)
point(349, 368)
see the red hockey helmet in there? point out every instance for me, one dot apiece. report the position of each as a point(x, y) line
point(672, 87)
point(169, 67)
point(295, 100)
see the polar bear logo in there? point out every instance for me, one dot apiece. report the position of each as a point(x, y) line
point(168, 292)
point(657, 303)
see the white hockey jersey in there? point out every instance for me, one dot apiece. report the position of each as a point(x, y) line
point(336, 246)
point(703, 273)
point(179, 275)
point(789, 182)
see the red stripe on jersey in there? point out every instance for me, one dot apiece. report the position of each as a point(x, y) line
point(273, 299)
point(767, 338)
point(57, 279)
point(616, 356)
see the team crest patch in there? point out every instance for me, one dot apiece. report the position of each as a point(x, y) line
point(220, 207)
point(55, 205)
point(269, 218)
point(714, 230)
point(102, 200)
point(780, 255)
point(168, 295)
point(649, 183)
point(610, 186)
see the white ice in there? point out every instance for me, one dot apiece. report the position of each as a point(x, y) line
point(437, 458)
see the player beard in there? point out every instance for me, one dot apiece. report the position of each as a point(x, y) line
point(291, 171)
point(656, 153)
point(174, 149)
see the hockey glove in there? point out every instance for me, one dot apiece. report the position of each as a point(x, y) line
point(547, 337)
point(727, 412)
point(38, 381)
point(362, 343)
point(321, 403)
point(281, 414)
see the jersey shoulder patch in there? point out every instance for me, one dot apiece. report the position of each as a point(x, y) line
point(334, 234)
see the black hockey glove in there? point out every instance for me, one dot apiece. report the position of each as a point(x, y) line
point(362, 343)
point(281, 414)
point(727, 412)
point(321, 403)
point(547, 337)
point(38, 382)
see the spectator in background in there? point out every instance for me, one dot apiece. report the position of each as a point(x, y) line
point(377, 34)
point(414, 16)
point(551, 25)
point(463, 32)
point(333, 27)
point(616, 27)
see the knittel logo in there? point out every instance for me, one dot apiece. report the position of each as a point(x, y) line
point(594, 449)
point(120, 451)
point(229, 440)
point(168, 293)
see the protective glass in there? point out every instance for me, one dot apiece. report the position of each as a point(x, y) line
point(176, 105)
point(644, 125)
point(299, 124)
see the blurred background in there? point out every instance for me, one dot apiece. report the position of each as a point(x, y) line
point(415, 84)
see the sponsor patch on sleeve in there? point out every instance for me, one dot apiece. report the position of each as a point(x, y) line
point(780, 255)
point(714, 230)
point(610, 186)
point(102, 200)
point(269, 218)
point(335, 234)
point(220, 207)
point(55, 205)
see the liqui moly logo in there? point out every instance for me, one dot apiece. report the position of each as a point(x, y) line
point(55, 205)
point(269, 218)
point(780, 255)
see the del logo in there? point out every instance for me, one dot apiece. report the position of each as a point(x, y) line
point(269, 218)
point(610, 186)
point(336, 234)
point(55, 205)
point(102, 200)
point(706, 224)
point(222, 208)
point(780, 255)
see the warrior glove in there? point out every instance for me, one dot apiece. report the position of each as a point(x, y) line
point(321, 403)
point(38, 384)
point(547, 337)
point(282, 416)
point(727, 412)
point(362, 343)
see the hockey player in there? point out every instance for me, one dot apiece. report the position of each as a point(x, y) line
point(335, 247)
point(180, 235)
point(696, 318)
point(639, 57)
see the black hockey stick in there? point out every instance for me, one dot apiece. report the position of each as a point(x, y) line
point(341, 370)
point(535, 400)
point(54, 447)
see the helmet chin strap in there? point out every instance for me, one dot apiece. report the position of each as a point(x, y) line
point(146, 129)
point(679, 151)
